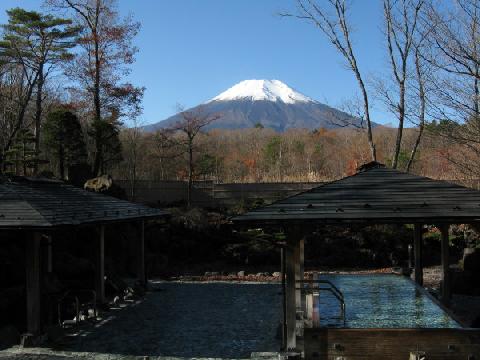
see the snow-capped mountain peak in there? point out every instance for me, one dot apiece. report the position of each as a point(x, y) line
point(266, 90)
point(270, 103)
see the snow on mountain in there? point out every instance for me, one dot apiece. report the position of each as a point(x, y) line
point(270, 103)
point(257, 90)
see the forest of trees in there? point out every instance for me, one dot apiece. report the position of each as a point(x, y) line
point(63, 98)
point(263, 155)
point(65, 103)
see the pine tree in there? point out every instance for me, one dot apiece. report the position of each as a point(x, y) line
point(64, 139)
point(21, 156)
point(37, 42)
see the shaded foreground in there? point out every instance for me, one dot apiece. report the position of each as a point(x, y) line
point(199, 320)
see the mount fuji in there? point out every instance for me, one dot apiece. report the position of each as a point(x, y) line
point(270, 103)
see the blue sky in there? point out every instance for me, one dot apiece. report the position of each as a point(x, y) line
point(191, 50)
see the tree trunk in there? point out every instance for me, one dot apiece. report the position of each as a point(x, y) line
point(19, 121)
point(38, 117)
point(373, 151)
point(401, 118)
point(97, 163)
point(190, 172)
point(61, 162)
point(421, 96)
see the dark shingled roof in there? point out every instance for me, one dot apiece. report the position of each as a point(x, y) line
point(374, 195)
point(33, 203)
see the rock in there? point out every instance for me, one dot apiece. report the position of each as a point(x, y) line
point(9, 336)
point(55, 333)
point(99, 184)
point(476, 322)
point(277, 274)
point(212, 273)
point(463, 282)
point(263, 274)
point(27, 340)
point(91, 313)
point(241, 273)
point(471, 260)
point(129, 296)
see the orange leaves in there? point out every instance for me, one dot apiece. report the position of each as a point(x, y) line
point(249, 163)
point(352, 166)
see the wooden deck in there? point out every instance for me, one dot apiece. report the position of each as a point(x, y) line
point(391, 344)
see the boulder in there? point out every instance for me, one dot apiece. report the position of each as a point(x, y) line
point(99, 184)
point(55, 333)
point(463, 282)
point(212, 273)
point(476, 322)
point(9, 336)
point(471, 260)
point(263, 274)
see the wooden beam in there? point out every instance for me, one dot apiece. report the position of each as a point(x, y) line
point(417, 248)
point(32, 262)
point(141, 274)
point(100, 266)
point(446, 289)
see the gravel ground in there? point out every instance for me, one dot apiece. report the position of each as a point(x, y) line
point(187, 320)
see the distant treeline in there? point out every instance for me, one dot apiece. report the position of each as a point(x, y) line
point(263, 155)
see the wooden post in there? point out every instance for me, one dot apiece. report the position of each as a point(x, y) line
point(291, 252)
point(446, 292)
point(302, 271)
point(298, 292)
point(284, 297)
point(32, 262)
point(417, 247)
point(49, 255)
point(141, 255)
point(100, 266)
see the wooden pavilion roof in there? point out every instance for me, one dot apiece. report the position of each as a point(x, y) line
point(34, 203)
point(375, 194)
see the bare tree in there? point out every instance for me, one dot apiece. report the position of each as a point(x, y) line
point(455, 53)
point(401, 22)
point(331, 17)
point(422, 101)
point(192, 122)
point(132, 140)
